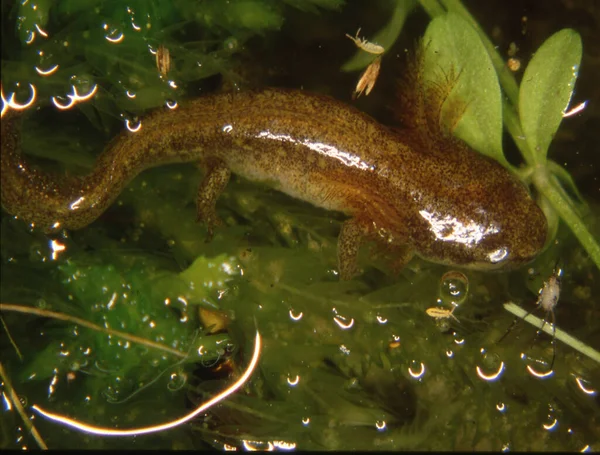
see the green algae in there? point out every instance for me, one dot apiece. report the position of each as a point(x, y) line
point(345, 366)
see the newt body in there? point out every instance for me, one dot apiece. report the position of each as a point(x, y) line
point(399, 189)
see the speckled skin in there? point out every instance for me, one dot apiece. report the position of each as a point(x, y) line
point(436, 196)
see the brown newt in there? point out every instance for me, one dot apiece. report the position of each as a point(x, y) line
point(418, 190)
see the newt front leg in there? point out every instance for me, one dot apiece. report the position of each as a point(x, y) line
point(215, 181)
point(351, 236)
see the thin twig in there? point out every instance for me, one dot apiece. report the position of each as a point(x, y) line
point(559, 334)
point(89, 325)
point(11, 339)
point(17, 403)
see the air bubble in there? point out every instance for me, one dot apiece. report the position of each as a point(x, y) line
point(416, 369)
point(46, 64)
point(113, 35)
point(539, 361)
point(491, 367)
point(454, 287)
point(491, 361)
point(83, 84)
point(177, 380)
point(551, 421)
point(231, 44)
point(132, 123)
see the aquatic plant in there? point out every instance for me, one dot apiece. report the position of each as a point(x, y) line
point(532, 113)
point(344, 365)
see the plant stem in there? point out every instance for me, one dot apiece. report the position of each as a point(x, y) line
point(10, 338)
point(566, 212)
point(432, 7)
point(14, 398)
point(560, 334)
point(512, 123)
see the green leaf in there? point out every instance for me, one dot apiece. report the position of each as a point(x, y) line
point(453, 46)
point(206, 273)
point(43, 364)
point(547, 87)
point(312, 6)
point(30, 15)
point(256, 16)
point(385, 37)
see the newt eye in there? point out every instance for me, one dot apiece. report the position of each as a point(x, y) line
point(498, 255)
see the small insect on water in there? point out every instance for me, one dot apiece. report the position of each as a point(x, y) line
point(439, 313)
point(548, 296)
point(367, 79)
point(163, 60)
point(365, 45)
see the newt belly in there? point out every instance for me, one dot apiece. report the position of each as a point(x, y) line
point(399, 189)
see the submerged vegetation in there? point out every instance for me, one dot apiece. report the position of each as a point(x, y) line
point(344, 365)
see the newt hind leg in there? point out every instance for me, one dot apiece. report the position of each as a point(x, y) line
point(396, 256)
point(447, 108)
point(429, 105)
point(213, 184)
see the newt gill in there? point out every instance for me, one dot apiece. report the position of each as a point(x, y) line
point(415, 190)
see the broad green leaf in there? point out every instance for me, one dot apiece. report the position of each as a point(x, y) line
point(312, 6)
point(452, 46)
point(386, 37)
point(32, 14)
point(547, 87)
point(206, 273)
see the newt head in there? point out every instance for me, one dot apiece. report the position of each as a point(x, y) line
point(483, 218)
point(472, 212)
